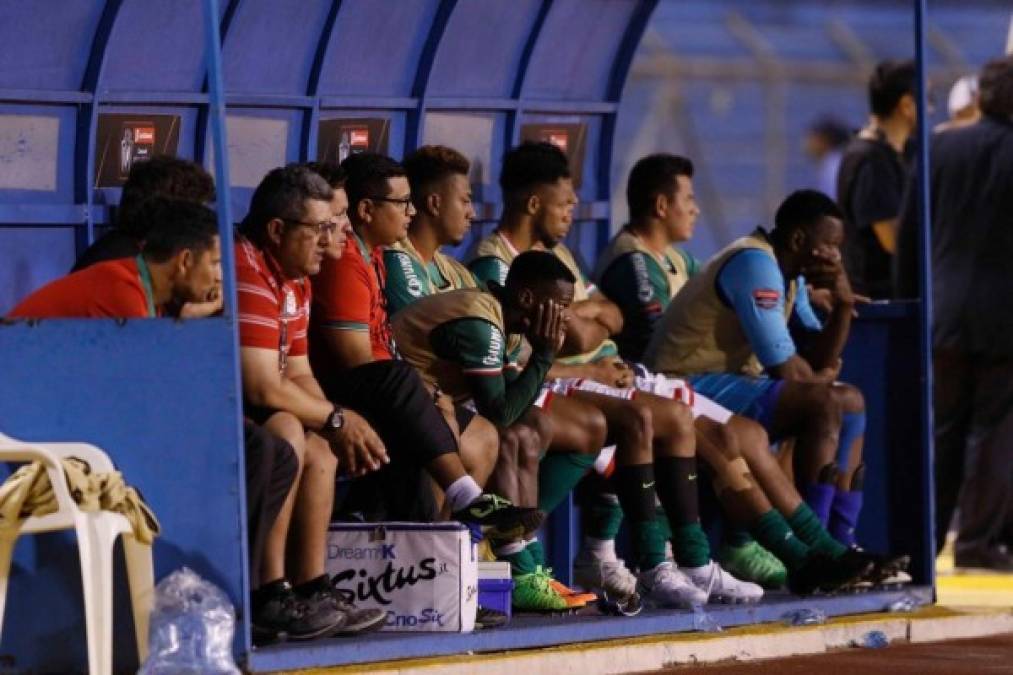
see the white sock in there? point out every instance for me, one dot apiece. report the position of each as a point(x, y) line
point(602, 550)
point(462, 492)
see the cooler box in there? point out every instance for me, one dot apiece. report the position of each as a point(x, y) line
point(495, 586)
point(425, 576)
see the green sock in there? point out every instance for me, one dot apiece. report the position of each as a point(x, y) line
point(558, 473)
point(521, 561)
point(808, 528)
point(648, 544)
point(690, 545)
point(661, 518)
point(603, 516)
point(736, 536)
point(537, 553)
point(773, 532)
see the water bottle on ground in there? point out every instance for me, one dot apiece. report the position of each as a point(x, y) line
point(191, 628)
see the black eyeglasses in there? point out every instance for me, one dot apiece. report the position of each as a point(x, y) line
point(405, 202)
point(318, 228)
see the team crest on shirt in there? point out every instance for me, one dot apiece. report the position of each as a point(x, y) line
point(766, 298)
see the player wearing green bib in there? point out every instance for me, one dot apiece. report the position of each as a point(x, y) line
point(466, 342)
point(654, 436)
point(417, 268)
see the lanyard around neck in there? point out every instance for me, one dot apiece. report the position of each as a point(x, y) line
point(149, 292)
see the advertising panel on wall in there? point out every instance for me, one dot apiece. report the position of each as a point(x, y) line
point(123, 140)
point(570, 138)
point(338, 138)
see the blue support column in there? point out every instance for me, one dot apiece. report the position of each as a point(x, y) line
point(216, 113)
point(87, 121)
point(927, 557)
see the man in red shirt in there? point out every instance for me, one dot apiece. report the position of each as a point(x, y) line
point(353, 347)
point(285, 233)
point(181, 262)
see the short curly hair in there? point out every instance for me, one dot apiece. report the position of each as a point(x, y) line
point(995, 88)
point(531, 164)
point(165, 176)
point(431, 164)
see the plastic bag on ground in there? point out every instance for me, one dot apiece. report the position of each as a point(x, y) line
point(704, 622)
point(191, 630)
point(874, 639)
point(804, 617)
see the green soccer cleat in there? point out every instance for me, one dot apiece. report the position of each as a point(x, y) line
point(534, 593)
point(752, 562)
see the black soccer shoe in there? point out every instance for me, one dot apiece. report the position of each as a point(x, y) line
point(498, 519)
point(821, 573)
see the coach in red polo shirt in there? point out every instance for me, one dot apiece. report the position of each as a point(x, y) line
point(181, 263)
point(283, 239)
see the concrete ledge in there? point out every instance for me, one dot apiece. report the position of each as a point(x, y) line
point(738, 644)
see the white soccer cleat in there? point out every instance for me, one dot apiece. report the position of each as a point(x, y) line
point(720, 586)
point(666, 586)
point(611, 577)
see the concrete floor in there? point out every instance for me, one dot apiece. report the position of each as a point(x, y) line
point(976, 656)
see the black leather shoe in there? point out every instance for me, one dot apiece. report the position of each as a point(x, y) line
point(997, 557)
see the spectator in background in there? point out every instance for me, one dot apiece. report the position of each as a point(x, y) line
point(872, 176)
point(971, 175)
point(824, 144)
point(962, 104)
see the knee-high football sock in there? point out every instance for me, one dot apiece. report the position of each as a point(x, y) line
point(635, 487)
point(679, 494)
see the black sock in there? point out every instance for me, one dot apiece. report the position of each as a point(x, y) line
point(677, 489)
point(635, 487)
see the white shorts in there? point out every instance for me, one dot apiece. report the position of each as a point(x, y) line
point(651, 383)
point(647, 382)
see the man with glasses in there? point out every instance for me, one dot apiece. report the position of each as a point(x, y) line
point(283, 240)
point(353, 351)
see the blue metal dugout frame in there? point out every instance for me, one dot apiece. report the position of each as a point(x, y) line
point(140, 388)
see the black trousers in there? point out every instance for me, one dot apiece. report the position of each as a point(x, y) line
point(973, 403)
point(271, 467)
point(393, 398)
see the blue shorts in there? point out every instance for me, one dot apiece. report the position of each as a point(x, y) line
point(752, 397)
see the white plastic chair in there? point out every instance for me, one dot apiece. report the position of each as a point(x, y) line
point(96, 536)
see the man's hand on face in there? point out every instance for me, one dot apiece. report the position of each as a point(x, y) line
point(548, 330)
point(826, 270)
point(358, 449)
point(211, 306)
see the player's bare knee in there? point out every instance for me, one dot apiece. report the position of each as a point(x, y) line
point(825, 410)
point(529, 447)
point(595, 430)
point(752, 438)
point(849, 396)
point(541, 425)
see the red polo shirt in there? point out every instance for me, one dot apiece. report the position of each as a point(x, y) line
point(347, 295)
point(111, 289)
point(273, 311)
